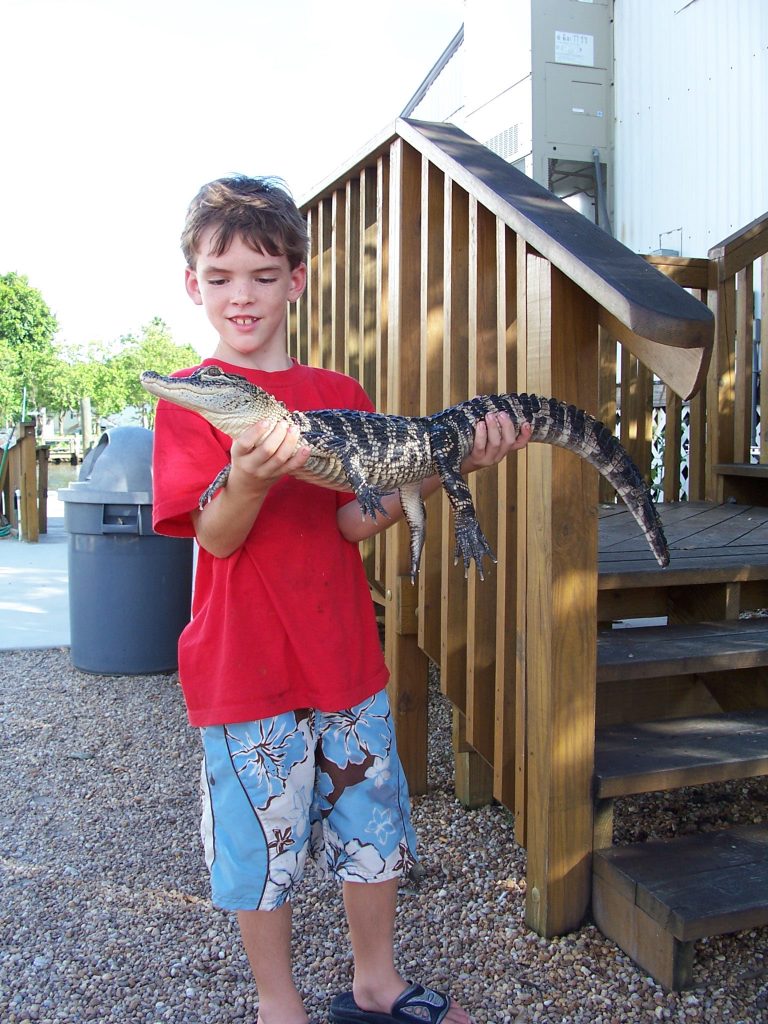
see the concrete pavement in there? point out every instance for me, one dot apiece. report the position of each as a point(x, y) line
point(34, 593)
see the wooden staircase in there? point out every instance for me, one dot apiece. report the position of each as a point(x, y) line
point(438, 272)
point(655, 899)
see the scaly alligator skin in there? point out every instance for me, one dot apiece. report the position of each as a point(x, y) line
point(372, 454)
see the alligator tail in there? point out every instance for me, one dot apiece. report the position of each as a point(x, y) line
point(556, 423)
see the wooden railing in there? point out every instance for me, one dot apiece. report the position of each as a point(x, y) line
point(721, 417)
point(24, 484)
point(730, 385)
point(439, 272)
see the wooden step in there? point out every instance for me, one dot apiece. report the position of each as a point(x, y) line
point(643, 757)
point(742, 482)
point(652, 652)
point(656, 899)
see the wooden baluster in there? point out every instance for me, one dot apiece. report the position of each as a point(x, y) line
point(408, 665)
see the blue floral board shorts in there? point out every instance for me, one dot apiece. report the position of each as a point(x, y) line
point(327, 784)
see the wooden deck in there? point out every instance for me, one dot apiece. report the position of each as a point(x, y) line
point(718, 565)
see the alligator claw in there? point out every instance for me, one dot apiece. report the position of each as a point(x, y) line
point(471, 545)
point(369, 499)
point(211, 490)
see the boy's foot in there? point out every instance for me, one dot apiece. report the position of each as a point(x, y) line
point(416, 1003)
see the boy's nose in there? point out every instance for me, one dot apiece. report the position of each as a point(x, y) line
point(243, 294)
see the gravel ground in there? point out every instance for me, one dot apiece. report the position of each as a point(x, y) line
point(105, 910)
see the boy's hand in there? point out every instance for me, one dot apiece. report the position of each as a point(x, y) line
point(265, 452)
point(495, 438)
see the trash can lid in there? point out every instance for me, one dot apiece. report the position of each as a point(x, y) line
point(117, 470)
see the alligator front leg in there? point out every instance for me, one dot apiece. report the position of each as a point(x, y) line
point(368, 496)
point(218, 483)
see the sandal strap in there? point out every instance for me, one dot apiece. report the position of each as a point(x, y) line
point(419, 1003)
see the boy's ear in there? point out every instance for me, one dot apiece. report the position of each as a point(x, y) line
point(192, 286)
point(298, 282)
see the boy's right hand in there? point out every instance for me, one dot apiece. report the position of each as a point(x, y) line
point(260, 457)
point(265, 452)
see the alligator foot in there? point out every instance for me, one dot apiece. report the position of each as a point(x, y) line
point(369, 499)
point(471, 544)
point(217, 484)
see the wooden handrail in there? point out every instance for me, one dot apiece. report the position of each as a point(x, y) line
point(741, 248)
point(669, 330)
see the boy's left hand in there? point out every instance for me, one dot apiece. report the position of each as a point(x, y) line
point(495, 438)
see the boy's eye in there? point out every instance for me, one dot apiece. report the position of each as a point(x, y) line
point(266, 280)
point(217, 280)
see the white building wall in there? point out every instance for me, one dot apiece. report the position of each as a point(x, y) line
point(691, 105)
point(497, 83)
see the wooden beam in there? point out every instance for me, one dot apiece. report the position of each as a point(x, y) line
point(483, 379)
point(561, 611)
point(453, 598)
point(351, 337)
point(381, 331)
point(29, 521)
point(510, 538)
point(431, 322)
point(407, 664)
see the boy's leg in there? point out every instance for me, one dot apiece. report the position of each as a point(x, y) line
point(370, 908)
point(257, 783)
point(267, 939)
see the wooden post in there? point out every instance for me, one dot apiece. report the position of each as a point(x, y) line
point(474, 776)
point(483, 378)
point(42, 488)
point(510, 540)
point(453, 596)
point(561, 612)
point(28, 521)
point(720, 381)
point(431, 380)
point(408, 665)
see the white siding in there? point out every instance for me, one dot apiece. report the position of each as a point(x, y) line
point(691, 104)
point(445, 99)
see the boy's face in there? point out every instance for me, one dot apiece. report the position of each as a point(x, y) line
point(244, 294)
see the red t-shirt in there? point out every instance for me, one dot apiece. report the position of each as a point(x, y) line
point(286, 621)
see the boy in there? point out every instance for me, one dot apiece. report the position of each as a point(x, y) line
point(281, 665)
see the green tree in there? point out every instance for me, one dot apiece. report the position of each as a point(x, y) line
point(153, 350)
point(27, 330)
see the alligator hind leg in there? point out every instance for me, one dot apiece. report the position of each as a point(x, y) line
point(471, 543)
point(416, 516)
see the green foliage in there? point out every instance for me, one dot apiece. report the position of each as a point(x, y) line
point(27, 330)
point(154, 350)
point(58, 378)
point(26, 322)
point(109, 374)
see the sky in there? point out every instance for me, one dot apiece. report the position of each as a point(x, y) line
point(115, 112)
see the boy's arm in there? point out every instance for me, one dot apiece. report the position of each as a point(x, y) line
point(495, 438)
point(260, 457)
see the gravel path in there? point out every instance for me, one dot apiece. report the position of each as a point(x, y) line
point(105, 910)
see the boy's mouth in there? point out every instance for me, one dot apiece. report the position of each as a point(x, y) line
point(244, 321)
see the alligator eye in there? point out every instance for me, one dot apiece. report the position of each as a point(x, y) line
point(213, 371)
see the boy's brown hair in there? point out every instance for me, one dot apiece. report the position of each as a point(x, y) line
point(258, 210)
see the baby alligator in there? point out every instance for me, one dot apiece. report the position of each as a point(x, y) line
point(372, 454)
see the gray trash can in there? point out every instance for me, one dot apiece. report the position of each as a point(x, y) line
point(129, 588)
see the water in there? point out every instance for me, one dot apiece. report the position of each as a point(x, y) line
point(61, 475)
